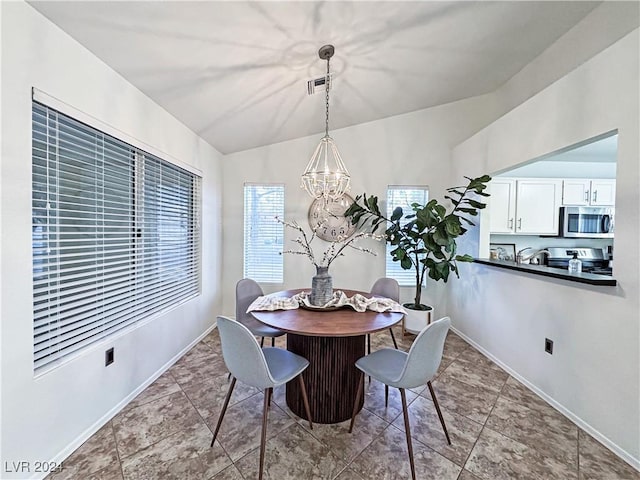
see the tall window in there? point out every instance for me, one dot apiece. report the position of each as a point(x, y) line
point(403, 196)
point(115, 235)
point(263, 236)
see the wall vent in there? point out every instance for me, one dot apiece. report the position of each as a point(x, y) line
point(317, 85)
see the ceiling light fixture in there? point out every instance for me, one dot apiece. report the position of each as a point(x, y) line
point(326, 176)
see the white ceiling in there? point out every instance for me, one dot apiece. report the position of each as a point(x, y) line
point(603, 150)
point(235, 72)
point(595, 158)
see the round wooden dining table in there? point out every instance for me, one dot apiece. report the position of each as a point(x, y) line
point(332, 341)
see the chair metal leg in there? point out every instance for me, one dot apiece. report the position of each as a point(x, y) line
point(435, 402)
point(229, 376)
point(369, 349)
point(407, 430)
point(393, 337)
point(305, 399)
point(273, 341)
point(261, 342)
point(263, 438)
point(224, 410)
point(270, 393)
point(355, 405)
point(386, 395)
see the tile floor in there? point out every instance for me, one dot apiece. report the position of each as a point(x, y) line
point(499, 430)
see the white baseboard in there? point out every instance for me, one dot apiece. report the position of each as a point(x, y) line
point(84, 436)
point(623, 454)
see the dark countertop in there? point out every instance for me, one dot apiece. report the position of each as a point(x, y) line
point(561, 273)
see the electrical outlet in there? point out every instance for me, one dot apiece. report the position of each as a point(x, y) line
point(108, 357)
point(548, 346)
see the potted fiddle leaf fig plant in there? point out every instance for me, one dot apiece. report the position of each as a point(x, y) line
point(424, 238)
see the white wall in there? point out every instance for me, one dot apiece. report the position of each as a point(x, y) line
point(44, 418)
point(409, 149)
point(593, 375)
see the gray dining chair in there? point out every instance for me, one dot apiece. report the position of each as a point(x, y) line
point(389, 288)
point(247, 291)
point(407, 370)
point(262, 368)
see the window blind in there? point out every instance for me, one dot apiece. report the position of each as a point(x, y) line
point(402, 196)
point(263, 235)
point(115, 235)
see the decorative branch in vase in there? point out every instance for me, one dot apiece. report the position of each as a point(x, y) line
point(335, 248)
point(322, 284)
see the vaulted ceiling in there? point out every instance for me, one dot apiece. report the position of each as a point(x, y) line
point(236, 72)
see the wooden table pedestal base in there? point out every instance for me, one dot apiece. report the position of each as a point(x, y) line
point(331, 378)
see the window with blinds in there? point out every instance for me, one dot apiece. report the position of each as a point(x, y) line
point(115, 235)
point(263, 235)
point(403, 196)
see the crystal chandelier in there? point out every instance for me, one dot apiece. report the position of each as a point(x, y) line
point(326, 176)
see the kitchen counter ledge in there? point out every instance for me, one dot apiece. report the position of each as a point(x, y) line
point(560, 273)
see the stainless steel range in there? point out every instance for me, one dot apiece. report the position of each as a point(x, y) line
point(594, 260)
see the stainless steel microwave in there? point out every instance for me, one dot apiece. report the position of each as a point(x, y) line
point(586, 222)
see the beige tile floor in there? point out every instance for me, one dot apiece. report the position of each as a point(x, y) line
point(499, 430)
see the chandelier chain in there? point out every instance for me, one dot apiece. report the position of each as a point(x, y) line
point(326, 81)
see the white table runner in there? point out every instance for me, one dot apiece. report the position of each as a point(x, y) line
point(358, 302)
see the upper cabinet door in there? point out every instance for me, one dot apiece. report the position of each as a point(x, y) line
point(576, 192)
point(581, 192)
point(538, 206)
point(502, 205)
point(603, 192)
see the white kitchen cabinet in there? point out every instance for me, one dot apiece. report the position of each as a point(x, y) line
point(525, 206)
point(576, 192)
point(538, 206)
point(603, 192)
point(502, 203)
point(584, 192)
